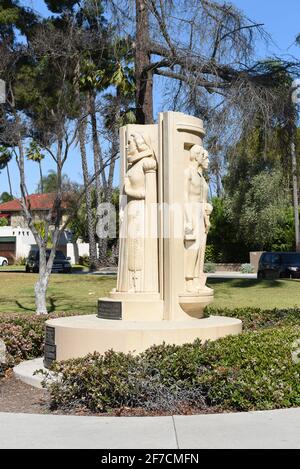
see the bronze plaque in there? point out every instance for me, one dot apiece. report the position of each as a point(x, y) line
point(49, 347)
point(50, 335)
point(109, 310)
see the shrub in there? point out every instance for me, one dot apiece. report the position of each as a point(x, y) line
point(209, 267)
point(251, 371)
point(256, 318)
point(113, 380)
point(23, 335)
point(246, 269)
point(20, 261)
point(84, 260)
point(210, 253)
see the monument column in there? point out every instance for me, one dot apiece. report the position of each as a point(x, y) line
point(179, 134)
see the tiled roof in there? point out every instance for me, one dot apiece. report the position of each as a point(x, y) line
point(34, 201)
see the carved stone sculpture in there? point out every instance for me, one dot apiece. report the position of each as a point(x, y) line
point(160, 295)
point(139, 192)
point(196, 226)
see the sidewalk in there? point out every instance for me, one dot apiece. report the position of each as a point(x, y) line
point(270, 429)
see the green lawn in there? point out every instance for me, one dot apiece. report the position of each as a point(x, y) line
point(79, 293)
point(74, 293)
point(266, 294)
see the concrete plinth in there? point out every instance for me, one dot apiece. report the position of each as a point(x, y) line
point(79, 335)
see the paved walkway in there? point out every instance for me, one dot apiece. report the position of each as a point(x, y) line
point(271, 429)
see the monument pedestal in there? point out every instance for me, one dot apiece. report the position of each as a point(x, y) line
point(131, 306)
point(161, 288)
point(77, 336)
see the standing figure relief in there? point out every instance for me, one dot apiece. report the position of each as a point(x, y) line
point(196, 220)
point(138, 188)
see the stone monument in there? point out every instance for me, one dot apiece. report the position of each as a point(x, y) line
point(161, 289)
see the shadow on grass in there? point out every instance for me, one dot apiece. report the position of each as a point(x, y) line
point(50, 310)
point(246, 283)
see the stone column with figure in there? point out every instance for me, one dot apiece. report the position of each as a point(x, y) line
point(138, 271)
point(161, 291)
point(196, 224)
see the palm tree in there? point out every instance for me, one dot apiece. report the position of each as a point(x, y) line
point(5, 157)
point(34, 154)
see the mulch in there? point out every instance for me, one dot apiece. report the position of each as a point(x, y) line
point(18, 397)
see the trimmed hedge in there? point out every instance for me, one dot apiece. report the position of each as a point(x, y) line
point(252, 371)
point(247, 372)
point(23, 335)
point(256, 318)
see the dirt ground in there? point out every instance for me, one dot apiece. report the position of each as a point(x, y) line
point(16, 396)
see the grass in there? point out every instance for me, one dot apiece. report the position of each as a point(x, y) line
point(79, 293)
point(68, 293)
point(265, 294)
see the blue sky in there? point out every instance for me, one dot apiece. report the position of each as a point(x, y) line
point(281, 20)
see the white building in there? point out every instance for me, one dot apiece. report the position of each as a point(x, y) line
point(15, 242)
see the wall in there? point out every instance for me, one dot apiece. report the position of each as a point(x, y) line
point(24, 239)
point(75, 250)
point(254, 259)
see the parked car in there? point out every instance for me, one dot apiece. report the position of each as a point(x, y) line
point(61, 262)
point(279, 265)
point(3, 261)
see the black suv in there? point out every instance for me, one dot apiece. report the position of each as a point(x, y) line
point(279, 265)
point(61, 262)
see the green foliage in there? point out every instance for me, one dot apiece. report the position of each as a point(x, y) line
point(59, 6)
point(209, 267)
point(256, 318)
point(21, 261)
point(84, 261)
point(24, 335)
point(40, 227)
point(50, 183)
point(246, 269)
point(223, 243)
point(5, 157)
point(210, 253)
point(34, 152)
point(252, 371)
point(3, 222)
point(262, 216)
point(5, 197)
point(8, 15)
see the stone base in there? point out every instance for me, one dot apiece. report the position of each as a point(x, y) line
point(77, 336)
point(131, 306)
point(25, 371)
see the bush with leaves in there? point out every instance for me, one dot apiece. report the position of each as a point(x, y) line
point(24, 334)
point(255, 318)
point(209, 267)
point(246, 269)
point(252, 371)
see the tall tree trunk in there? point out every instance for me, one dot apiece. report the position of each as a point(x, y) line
point(99, 172)
point(295, 193)
point(98, 160)
point(9, 180)
point(41, 285)
point(143, 73)
point(88, 196)
point(41, 177)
